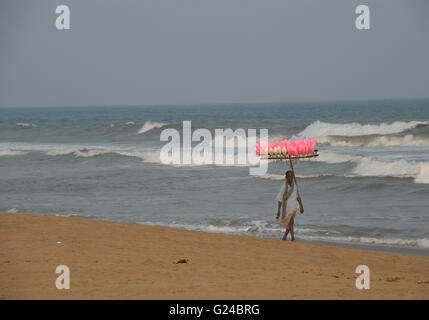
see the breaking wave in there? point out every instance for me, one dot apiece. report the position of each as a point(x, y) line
point(13, 210)
point(372, 167)
point(237, 160)
point(331, 157)
point(320, 129)
point(375, 141)
point(26, 125)
point(12, 153)
point(400, 168)
point(271, 176)
point(265, 229)
point(149, 125)
point(89, 153)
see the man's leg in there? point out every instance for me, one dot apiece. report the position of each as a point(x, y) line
point(292, 231)
point(286, 233)
point(292, 222)
point(278, 209)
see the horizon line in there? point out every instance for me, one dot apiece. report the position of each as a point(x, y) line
point(219, 103)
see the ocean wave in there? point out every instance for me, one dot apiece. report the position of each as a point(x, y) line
point(400, 168)
point(372, 167)
point(375, 141)
point(78, 153)
point(271, 176)
point(320, 129)
point(12, 153)
point(154, 157)
point(332, 157)
point(276, 138)
point(90, 153)
point(26, 125)
point(420, 243)
point(311, 234)
point(149, 125)
point(13, 210)
point(266, 229)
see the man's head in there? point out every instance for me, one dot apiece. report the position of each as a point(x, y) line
point(289, 176)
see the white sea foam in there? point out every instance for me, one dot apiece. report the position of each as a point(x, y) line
point(364, 166)
point(318, 235)
point(13, 210)
point(149, 125)
point(331, 157)
point(400, 168)
point(320, 129)
point(421, 243)
point(79, 153)
point(375, 141)
point(89, 153)
point(26, 125)
point(372, 167)
point(271, 176)
point(263, 228)
point(12, 153)
point(276, 138)
point(154, 157)
point(134, 154)
point(151, 157)
point(422, 174)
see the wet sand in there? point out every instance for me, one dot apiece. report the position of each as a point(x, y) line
point(116, 260)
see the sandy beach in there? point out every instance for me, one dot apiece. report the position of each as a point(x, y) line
point(115, 260)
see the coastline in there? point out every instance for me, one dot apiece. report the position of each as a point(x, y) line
point(123, 260)
point(375, 248)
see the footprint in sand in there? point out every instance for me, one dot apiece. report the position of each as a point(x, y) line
point(181, 261)
point(392, 279)
point(423, 282)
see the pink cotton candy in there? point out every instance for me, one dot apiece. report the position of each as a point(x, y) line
point(263, 147)
point(312, 145)
point(289, 146)
point(258, 148)
point(286, 147)
point(300, 147)
point(292, 150)
point(304, 146)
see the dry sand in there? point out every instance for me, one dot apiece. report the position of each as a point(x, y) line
point(114, 260)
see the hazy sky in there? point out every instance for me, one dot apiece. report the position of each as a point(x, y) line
point(211, 51)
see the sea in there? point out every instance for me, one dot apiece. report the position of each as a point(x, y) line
point(369, 185)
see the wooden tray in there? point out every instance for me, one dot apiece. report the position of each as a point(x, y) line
point(287, 157)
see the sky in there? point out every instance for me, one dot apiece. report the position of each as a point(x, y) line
point(149, 52)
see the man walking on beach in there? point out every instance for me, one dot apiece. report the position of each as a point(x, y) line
point(282, 197)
